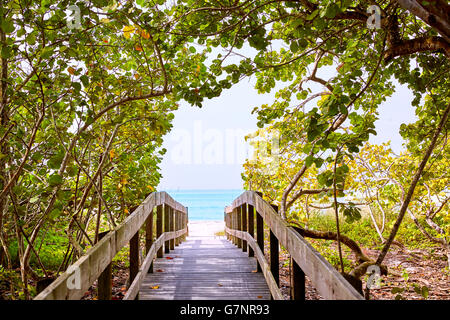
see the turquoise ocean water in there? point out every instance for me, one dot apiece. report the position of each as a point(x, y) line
point(205, 204)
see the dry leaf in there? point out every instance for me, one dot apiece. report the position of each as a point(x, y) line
point(154, 287)
point(71, 70)
point(254, 270)
point(169, 258)
point(160, 270)
point(259, 297)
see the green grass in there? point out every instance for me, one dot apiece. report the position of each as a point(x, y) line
point(51, 252)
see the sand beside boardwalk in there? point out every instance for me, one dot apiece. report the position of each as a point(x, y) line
point(205, 228)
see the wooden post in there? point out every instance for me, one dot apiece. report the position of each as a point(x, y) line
point(159, 227)
point(297, 279)
point(134, 258)
point(225, 219)
point(274, 254)
point(176, 225)
point(239, 225)
point(297, 282)
point(260, 235)
point(180, 225)
point(104, 282)
point(187, 221)
point(229, 225)
point(244, 224)
point(172, 227)
point(166, 227)
point(184, 225)
point(149, 236)
point(251, 227)
point(233, 224)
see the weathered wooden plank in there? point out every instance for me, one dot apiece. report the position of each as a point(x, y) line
point(205, 268)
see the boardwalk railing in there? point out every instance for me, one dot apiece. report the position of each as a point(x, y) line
point(95, 264)
point(305, 260)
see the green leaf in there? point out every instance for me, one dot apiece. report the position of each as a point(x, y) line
point(425, 292)
point(7, 26)
point(417, 289)
point(55, 161)
point(34, 199)
point(313, 15)
point(47, 52)
point(309, 161)
point(294, 46)
point(85, 80)
point(55, 179)
point(331, 11)
point(76, 86)
point(312, 134)
point(6, 52)
point(55, 213)
point(397, 290)
point(318, 162)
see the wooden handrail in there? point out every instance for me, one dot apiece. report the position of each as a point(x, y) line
point(91, 265)
point(325, 278)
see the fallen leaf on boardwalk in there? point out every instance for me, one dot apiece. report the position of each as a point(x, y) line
point(154, 287)
point(220, 285)
point(169, 258)
point(254, 270)
point(259, 297)
point(160, 270)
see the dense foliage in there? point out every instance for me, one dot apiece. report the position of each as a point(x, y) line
point(83, 108)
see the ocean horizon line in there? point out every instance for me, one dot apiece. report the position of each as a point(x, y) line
point(205, 204)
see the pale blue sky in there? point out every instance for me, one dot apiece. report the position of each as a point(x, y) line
point(206, 149)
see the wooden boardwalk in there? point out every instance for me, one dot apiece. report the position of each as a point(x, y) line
point(205, 268)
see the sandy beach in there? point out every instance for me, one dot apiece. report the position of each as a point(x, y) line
point(205, 228)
